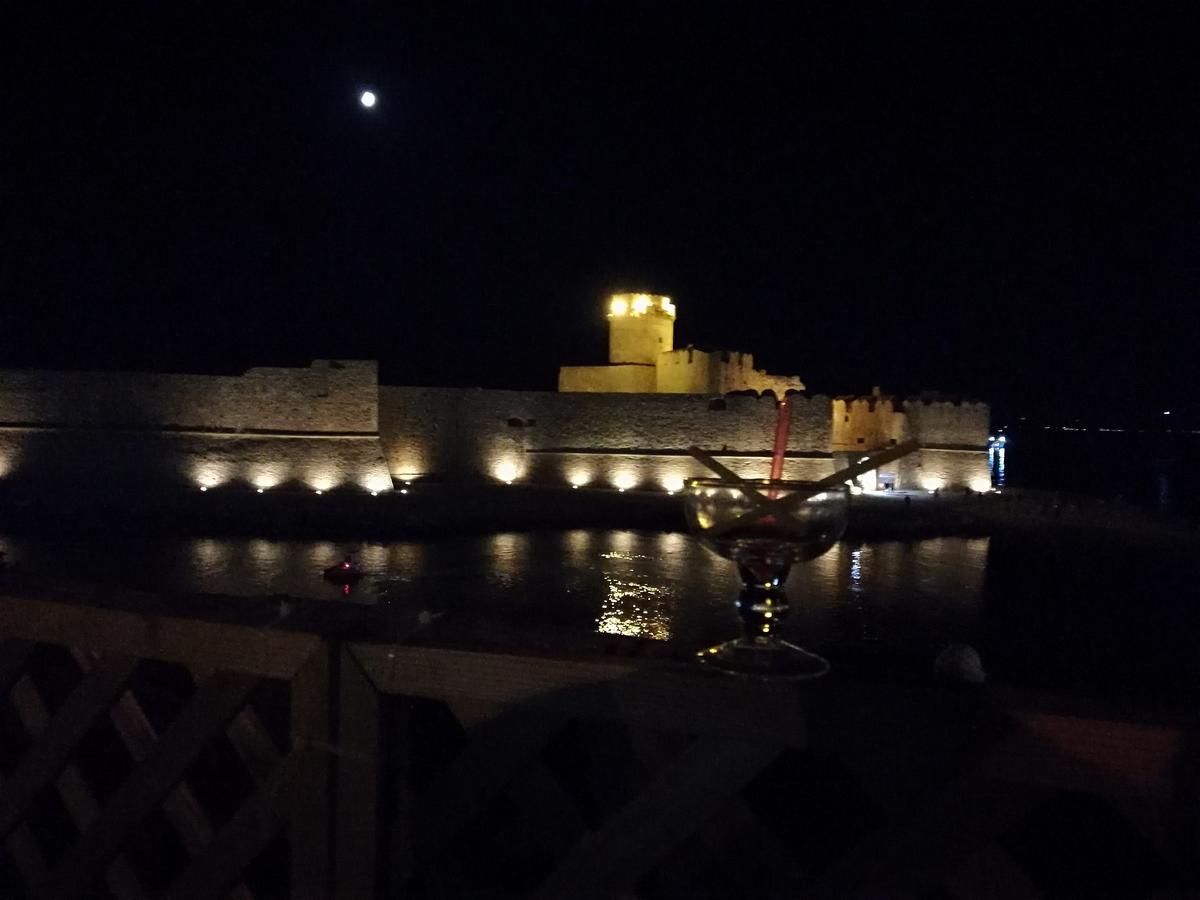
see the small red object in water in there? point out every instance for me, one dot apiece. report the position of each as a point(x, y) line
point(345, 590)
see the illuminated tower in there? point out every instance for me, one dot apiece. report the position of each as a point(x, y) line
point(640, 327)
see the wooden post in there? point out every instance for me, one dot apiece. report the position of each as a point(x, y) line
point(310, 813)
point(356, 822)
point(401, 807)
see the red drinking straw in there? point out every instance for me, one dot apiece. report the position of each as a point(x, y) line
point(781, 435)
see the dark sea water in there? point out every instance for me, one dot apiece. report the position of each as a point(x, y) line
point(1089, 617)
point(1152, 469)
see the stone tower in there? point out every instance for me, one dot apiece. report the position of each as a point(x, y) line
point(640, 327)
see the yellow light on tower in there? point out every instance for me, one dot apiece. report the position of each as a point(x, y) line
point(618, 307)
point(641, 303)
point(667, 306)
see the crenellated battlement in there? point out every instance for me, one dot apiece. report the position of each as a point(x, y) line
point(637, 305)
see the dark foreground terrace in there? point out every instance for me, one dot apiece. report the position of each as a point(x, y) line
point(209, 746)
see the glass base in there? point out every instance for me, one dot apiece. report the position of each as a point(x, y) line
point(764, 658)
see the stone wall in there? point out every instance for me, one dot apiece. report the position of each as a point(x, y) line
point(868, 423)
point(952, 435)
point(551, 437)
point(625, 379)
point(331, 426)
point(692, 371)
point(313, 428)
point(930, 469)
point(956, 423)
point(667, 471)
point(327, 396)
point(148, 460)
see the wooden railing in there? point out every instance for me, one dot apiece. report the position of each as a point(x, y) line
point(152, 754)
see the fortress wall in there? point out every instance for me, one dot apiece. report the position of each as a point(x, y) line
point(647, 471)
point(521, 435)
point(630, 379)
point(692, 371)
point(149, 460)
point(865, 423)
point(310, 428)
point(675, 422)
point(684, 371)
point(943, 422)
point(454, 432)
point(316, 428)
point(929, 469)
point(327, 396)
point(418, 428)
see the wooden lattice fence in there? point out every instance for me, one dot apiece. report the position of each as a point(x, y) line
point(146, 754)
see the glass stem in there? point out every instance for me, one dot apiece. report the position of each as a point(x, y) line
point(763, 610)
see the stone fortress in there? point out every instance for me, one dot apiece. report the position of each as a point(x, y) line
point(331, 426)
point(642, 358)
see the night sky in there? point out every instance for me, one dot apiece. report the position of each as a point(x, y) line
point(994, 200)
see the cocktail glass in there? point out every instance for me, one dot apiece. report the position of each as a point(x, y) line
point(765, 528)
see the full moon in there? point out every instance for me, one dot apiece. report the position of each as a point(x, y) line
point(367, 99)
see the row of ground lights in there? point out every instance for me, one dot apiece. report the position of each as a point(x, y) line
point(673, 484)
point(263, 487)
point(978, 485)
point(508, 473)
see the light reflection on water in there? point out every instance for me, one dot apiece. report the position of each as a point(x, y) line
point(644, 584)
point(996, 463)
point(635, 609)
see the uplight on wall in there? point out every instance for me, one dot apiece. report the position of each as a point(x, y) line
point(266, 478)
point(980, 485)
point(624, 481)
point(672, 484)
point(932, 483)
point(212, 474)
point(322, 481)
point(580, 479)
point(377, 483)
point(507, 471)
